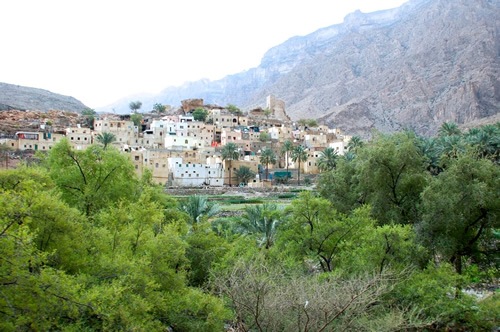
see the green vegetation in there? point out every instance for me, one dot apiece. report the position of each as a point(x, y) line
point(267, 157)
point(89, 116)
point(264, 137)
point(200, 114)
point(136, 118)
point(135, 106)
point(244, 174)
point(299, 155)
point(327, 160)
point(395, 233)
point(230, 152)
point(159, 108)
point(105, 139)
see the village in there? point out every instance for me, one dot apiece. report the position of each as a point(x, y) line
point(186, 150)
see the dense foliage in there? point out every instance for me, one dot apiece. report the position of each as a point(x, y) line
point(397, 231)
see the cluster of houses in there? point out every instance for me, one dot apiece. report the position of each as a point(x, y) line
point(183, 152)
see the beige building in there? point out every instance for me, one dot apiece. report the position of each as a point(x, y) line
point(37, 141)
point(124, 130)
point(79, 137)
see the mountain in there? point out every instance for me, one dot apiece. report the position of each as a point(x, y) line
point(416, 66)
point(16, 97)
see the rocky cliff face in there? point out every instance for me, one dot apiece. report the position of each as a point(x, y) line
point(15, 97)
point(416, 66)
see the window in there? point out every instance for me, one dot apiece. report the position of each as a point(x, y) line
point(136, 158)
point(156, 165)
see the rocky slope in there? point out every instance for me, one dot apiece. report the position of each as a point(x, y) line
point(12, 121)
point(16, 97)
point(416, 66)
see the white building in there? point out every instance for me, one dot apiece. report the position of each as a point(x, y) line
point(195, 175)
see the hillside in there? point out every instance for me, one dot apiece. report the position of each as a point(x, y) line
point(415, 66)
point(16, 97)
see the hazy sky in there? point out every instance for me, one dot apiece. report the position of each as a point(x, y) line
point(99, 51)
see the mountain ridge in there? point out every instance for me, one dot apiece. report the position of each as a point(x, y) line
point(17, 97)
point(411, 67)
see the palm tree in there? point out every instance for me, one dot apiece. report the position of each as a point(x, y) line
point(261, 220)
point(230, 152)
point(449, 147)
point(355, 143)
point(135, 106)
point(233, 109)
point(197, 207)
point(485, 141)
point(285, 149)
point(106, 138)
point(328, 159)
point(299, 154)
point(449, 129)
point(244, 174)
point(429, 149)
point(349, 156)
point(267, 157)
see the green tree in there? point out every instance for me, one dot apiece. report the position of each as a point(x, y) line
point(449, 129)
point(286, 148)
point(204, 249)
point(430, 150)
point(89, 116)
point(316, 230)
point(5, 151)
point(200, 114)
point(38, 235)
point(341, 187)
point(135, 106)
point(311, 123)
point(355, 143)
point(198, 207)
point(327, 160)
point(460, 211)
point(93, 178)
point(267, 156)
point(268, 112)
point(392, 176)
point(136, 118)
point(244, 174)
point(299, 155)
point(230, 152)
point(264, 136)
point(233, 109)
point(159, 108)
point(106, 138)
point(485, 141)
point(261, 220)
